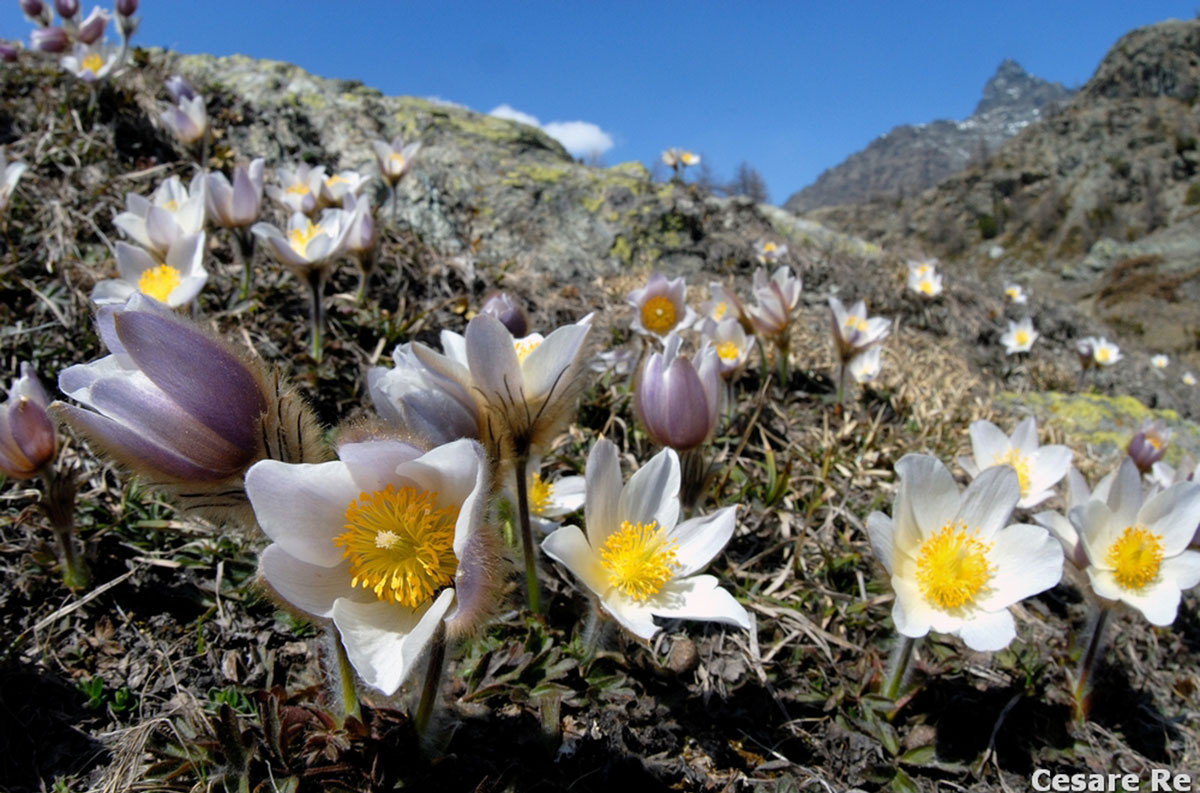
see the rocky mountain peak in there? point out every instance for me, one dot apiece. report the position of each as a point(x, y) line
point(1013, 88)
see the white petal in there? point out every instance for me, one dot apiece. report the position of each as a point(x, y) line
point(652, 493)
point(187, 290)
point(493, 360)
point(457, 472)
point(132, 262)
point(1158, 601)
point(1025, 438)
point(384, 640)
point(1063, 531)
point(989, 500)
point(1183, 569)
point(113, 291)
point(701, 539)
point(308, 587)
point(1093, 521)
point(1125, 495)
point(570, 548)
point(988, 631)
point(699, 597)
point(1027, 561)
point(933, 493)
point(548, 363)
point(968, 465)
point(1047, 466)
point(603, 474)
point(910, 613)
point(372, 464)
point(566, 496)
point(988, 442)
point(1173, 514)
point(879, 528)
point(302, 506)
point(635, 617)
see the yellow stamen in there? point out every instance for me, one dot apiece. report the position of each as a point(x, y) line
point(1021, 338)
point(855, 322)
point(952, 567)
point(396, 160)
point(639, 560)
point(523, 349)
point(1135, 557)
point(336, 179)
point(92, 62)
point(1019, 463)
point(159, 282)
point(658, 315)
point(926, 286)
point(540, 492)
point(171, 206)
point(1011, 292)
point(719, 310)
point(1103, 354)
point(299, 238)
point(297, 188)
point(400, 545)
point(769, 247)
point(728, 351)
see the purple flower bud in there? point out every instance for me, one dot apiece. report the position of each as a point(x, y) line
point(179, 88)
point(49, 40)
point(127, 8)
point(172, 402)
point(92, 28)
point(27, 441)
point(677, 401)
point(1148, 445)
point(36, 11)
point(504, 307)
point(235, 205)
point(8, 52)
point(66, 8)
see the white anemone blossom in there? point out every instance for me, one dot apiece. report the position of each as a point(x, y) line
point(1019, 337)
point(376, 541)
point(1038, 468)
point(1059, 524)
point(172, 211)
point(174, 279)
point(954, 564)
point(636, 556)
point(1137, 550)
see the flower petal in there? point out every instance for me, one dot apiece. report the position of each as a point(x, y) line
point(879, 529)
point(603, 474)
point(457, 472)
point(1027, 561)
point(701, 539)
point(492, 359)
point(1025, 438)
point(1094, 523)
point(988, 443)
point(551, 361)
point(1174, 515)
point(652, 493)
point(932, 492)
point(1183, 569)
point(372, 464)
point(633, 616)
point(988, 631)
point(989, 500)
point(384, 640)
point(699, 597)
point(1125, 495)
point(309, 587)
point(302, 506)
point(570, 548)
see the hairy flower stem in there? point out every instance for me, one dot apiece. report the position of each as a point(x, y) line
point(433, 679)
point(395, 202)
point(244, 245)
point(693, 468)
point(1088, 661)
point(349, 695)
point(897, 668)
point(781, 361)
point(841, 392)
point(58, 503)
point(316, 285)
point(531, 580)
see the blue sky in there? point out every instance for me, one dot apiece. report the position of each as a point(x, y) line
point(790, 87)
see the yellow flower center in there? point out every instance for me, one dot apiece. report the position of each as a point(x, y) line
point(159, 282)
point(1103, 354)
point(1135, 557)
point(299, 238)
point(922, 270)
point(540, 492)
point(719, 310)
point(1019, 463)
point(335, 180)
point(728, 351)
point(92, 63)
point(688, 158)
point(770, 247)
point(396, 159)
point(172, 205)
point(925, 286)
point(400, 545)
point(855, 322)
point(638, 560)
point(1189, 379)
point(658, 315)
point(297, 188)
point(1021, 338)
point(952, 567)
point(523, 349)
point(1011, 292)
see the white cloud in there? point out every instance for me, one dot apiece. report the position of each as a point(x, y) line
point(580, 138)
point(437, 100)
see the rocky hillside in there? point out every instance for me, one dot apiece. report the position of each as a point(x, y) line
point(1097, 205)
point(913, 157)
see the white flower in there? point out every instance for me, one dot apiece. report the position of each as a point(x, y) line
point(374, 542)
point(343, 183)
point(551, 498)
point(924, 280)
point(732, 344)
point(775, 300)
point(307, 245)
point(1188, 378)
point(11, 174)
point(175, 279)
point(187, 119)
point(235, 205)
point(1038, 468)
point(636, 557)
point(1159, 361)
point(1015, 294)
point(920, 268)
point(1137, 552)
point(852, 331)
point(768, 252)
point(1060, 526)
point(394, 158)
point(679, 158)
point(1019, 337)
point(416, 398)
point(865, 366)
point(171, 212)
point(298, 188)
point(90, 62)
point(1103, 352)
point(954, 565)
point(661, 306)
point(723, 304)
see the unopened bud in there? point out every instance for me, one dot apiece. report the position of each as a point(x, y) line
point(8, 52)
point(49, 39)
point(66, 8)
point(127, 8)
point(504, 307)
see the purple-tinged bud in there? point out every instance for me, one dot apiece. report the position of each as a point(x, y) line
point(66, 9)
point(27, 441)
point(179, 88)
point(184, 409)
point(1148, 445)
point(92, 28)
point(8, 52)
point(36, 11)
point(677, 401)
point(235, 205)
point(50, 39)
point(126, 8)
point(506, 308)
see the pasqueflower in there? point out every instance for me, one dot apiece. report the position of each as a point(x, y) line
point(676, 400)
point(661, 306)
point(853, 331)
point(299, 188)
point(172, 211)
point(27, 440)
point(90, 62)
point(174, 279)
point(235, 205)
point(1019, 337)
point(1038, 468)
point(11, 174)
